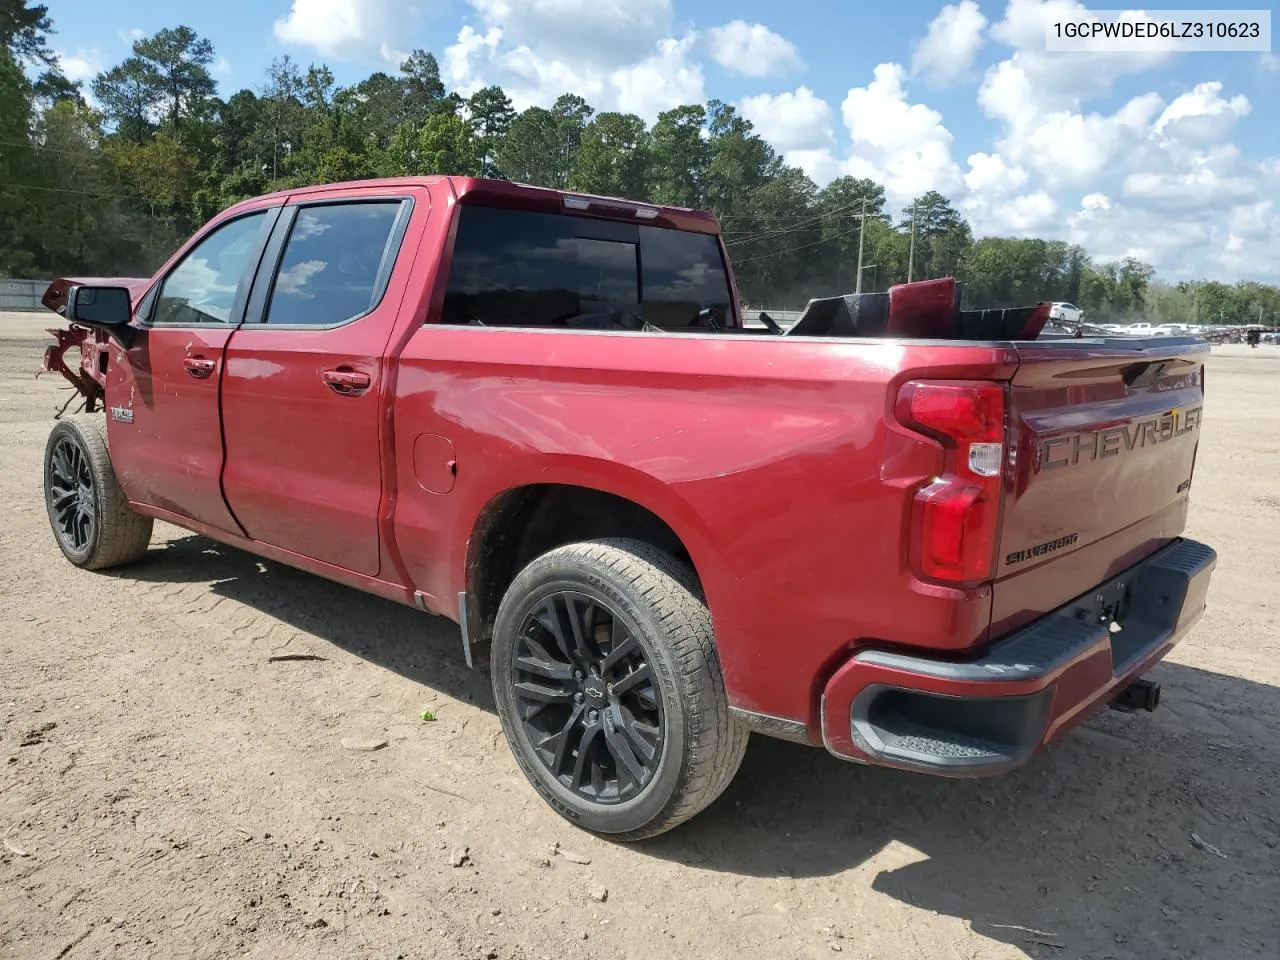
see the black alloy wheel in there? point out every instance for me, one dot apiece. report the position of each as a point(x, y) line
point(609, 690)
point(89, 513)
point(73, 503)
point(586, 698)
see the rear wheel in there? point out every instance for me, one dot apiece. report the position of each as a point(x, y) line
point(609, 690)
point(89, 513)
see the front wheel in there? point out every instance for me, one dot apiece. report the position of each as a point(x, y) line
point(91, 518)
point(609, 689)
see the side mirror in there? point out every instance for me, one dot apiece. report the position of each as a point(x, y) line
point(105, 308)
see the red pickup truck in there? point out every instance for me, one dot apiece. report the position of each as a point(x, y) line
point(922, 537)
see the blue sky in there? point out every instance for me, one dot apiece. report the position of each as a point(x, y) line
point(1172, 157)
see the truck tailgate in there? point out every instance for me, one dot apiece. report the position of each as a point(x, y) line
point(1105, 434)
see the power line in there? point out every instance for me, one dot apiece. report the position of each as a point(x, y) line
point(796, 226)
point(777, 253)
point(763, 216)
point(42, 147)
point(779, 216)
point(98, 196)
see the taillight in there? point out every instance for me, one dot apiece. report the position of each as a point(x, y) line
point(956, 518)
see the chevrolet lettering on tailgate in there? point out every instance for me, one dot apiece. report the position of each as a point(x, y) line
point(1068, 450)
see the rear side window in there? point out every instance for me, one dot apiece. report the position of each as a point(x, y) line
point(525, 269)
point(335, 263)
point(683, 274)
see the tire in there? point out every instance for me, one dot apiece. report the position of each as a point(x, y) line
point(106, 534)
point(652, 609)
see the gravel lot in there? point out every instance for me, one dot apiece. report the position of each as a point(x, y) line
point(170, 791)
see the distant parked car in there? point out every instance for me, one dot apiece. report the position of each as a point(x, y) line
point(1065, 313)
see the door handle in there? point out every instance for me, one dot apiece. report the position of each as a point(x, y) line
point(346, 382)
point(198, 367)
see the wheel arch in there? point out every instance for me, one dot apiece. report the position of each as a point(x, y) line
point(521, 523)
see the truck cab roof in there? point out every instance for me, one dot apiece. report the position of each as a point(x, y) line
point(484, 191)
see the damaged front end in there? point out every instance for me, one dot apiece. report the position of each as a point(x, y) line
point(90, 369)
point(88, 372)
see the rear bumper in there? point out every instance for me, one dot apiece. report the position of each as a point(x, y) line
point(983, 717)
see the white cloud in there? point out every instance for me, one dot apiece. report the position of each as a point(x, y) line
point(1026, 215)
point(456, 66)
point(1033, 82)
point(1255, 221)
point(822, 165)
point(613, 53)
point(989, 173)
point(1201, 114)
point(350, 29)
point(1113, 231)
point(793, 121)
point(900, 144)
point(1271, 62)
point(221, 67)
point(1159, 180)
point(1189, 214)
point(954, 37)
point(603, 33)
point(665, 79)
point(990, 208)
point(81, 66)
point(1155, 177)
point(1069, 149)
point(1244, 244)
point(752, 49)
point(1207, 184)
point(904, 144)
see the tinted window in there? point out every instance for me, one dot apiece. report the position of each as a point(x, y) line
point(202, 287)
point(516, 268)
point(334, 263)
point(683, 273)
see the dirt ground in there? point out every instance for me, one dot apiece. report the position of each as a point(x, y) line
point(168, 790)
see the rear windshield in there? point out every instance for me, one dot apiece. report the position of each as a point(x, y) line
point(515, 268)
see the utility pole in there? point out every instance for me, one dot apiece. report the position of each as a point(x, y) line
point(862, 233)
point(911, 255)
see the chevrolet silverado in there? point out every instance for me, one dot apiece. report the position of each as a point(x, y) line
point(919, 536)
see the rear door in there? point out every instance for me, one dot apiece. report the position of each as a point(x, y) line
point(162, 393)
point(1106, 433)
point(302, 394)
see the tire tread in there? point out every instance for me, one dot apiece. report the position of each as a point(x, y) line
point(123, 534)
point(670, 589)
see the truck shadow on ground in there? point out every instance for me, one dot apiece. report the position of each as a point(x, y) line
point(1137, 836)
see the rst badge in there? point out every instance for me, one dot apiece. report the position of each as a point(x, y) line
point(123, 414)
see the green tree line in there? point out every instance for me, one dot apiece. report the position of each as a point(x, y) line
point(114, 187)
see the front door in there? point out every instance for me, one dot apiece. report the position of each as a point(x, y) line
point(162, 392)
point(301, 397)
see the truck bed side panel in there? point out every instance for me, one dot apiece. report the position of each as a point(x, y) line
point(776, 462)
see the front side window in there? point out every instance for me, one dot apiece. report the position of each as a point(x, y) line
point(526, 269)
point(202, 287)
point(333, 267)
